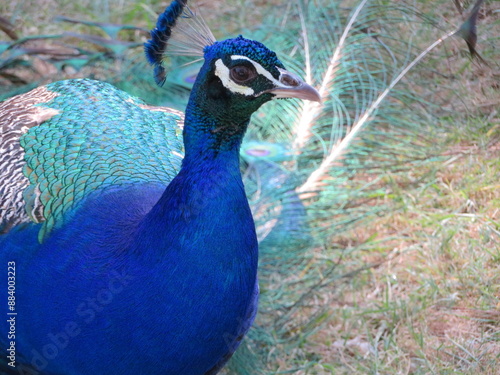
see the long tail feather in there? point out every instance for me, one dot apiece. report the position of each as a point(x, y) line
point(467, 31)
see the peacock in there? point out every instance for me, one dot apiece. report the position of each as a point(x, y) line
point(301, 194)
point(129, 260)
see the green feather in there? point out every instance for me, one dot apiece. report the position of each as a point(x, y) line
point(110, 130)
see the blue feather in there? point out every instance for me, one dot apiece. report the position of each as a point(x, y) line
point(124, 258)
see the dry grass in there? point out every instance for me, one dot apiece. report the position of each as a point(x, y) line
point(433, 306)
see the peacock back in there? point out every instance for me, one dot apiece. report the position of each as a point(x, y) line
point(69, 138)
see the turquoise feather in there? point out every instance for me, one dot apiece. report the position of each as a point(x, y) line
point(65, 163)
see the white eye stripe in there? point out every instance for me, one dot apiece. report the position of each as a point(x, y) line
point(259, 69)
point(222, 71)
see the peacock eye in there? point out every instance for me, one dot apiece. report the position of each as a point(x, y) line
point(241, 73)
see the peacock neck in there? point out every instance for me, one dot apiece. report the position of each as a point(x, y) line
point(208, 137)
point(204, 211)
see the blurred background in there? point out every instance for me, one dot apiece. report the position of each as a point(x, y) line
point(381, 259)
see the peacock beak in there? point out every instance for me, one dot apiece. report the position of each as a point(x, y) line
point(291, 86)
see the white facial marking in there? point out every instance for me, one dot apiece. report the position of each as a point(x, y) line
point(222, 72)
point(260, 69)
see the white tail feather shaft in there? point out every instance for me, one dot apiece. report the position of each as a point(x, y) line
point(314, 179)
point(311, 109)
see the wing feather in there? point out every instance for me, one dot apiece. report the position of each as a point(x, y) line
point(62, 141)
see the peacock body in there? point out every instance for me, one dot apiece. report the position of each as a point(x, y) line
point(131, 259)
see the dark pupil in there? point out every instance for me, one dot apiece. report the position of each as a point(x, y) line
point(241, 73)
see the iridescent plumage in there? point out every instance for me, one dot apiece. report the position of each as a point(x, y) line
point(132, 247)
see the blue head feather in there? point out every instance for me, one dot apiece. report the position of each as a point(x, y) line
point(246, 47)
point(156, 46)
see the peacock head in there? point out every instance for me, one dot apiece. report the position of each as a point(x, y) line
point(239, 75)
